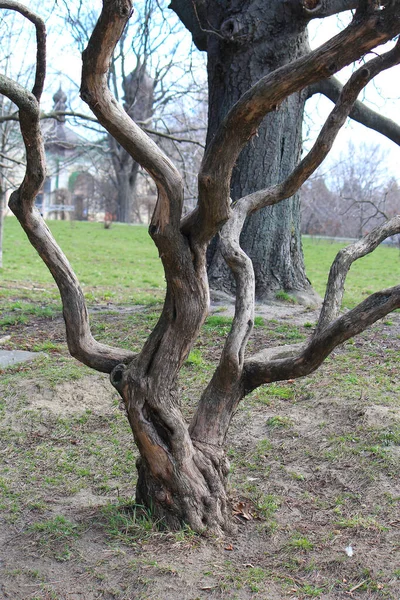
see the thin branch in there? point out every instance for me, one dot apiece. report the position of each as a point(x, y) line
point(17, 162)
point(341, 265)
point(40, 42)
point(357, 203)
point(12, 117)
point(261, 368)
point(54, 114)
point(172, 137)
point(57, 114)
point(331, 88)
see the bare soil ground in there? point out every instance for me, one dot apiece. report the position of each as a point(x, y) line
point(314, 484)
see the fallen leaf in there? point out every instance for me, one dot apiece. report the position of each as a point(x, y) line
point(242, 509)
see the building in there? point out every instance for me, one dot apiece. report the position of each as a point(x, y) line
point(68, 157)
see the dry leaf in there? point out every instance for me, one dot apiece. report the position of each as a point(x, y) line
point(242, 509)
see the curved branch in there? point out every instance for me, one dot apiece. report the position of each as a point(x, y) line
point(331, 88)
point(95, 92)
point(229, 371)
point(29, 123)
point(260, 369)
point(341, 265)
point(223, 393)
point(326, 137)
point(40, 42)
point(81, 344)
point(246, 115)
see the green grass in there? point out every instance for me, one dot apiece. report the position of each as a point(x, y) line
point(55, 529)
point(195, 358)
point(121, 265)
point(300, 542)
point(285, 297)
point(267, 394)
point(19, 312)
point(127, 522)
point(278, 421)
point(218, 324)
point(376, 271)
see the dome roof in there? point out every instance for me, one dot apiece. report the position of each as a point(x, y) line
point(59, 139)
point(59, 97)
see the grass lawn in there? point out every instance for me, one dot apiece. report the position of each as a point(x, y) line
point(314, 463)
point(118, 265)
point(374, 272)
point(121, 264)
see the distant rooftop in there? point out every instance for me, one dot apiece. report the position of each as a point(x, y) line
point(58, 137)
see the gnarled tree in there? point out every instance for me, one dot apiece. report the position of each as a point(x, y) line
point(182, 467)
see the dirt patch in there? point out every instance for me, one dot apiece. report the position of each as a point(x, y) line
point(295, 314)
point(94, 394)
point(380, 416)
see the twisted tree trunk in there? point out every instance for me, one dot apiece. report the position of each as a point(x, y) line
point(181, 479)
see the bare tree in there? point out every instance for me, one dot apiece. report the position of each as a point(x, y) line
point(353, 197)
point(320, 208)
point(149, 82)
point(360, 181)
point(183, 468)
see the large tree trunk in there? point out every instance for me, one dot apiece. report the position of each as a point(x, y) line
point(180, 480)
point(181, 476)
point(264, 36)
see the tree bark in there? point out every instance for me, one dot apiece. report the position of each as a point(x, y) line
point(181, 481)
point(253, 40)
